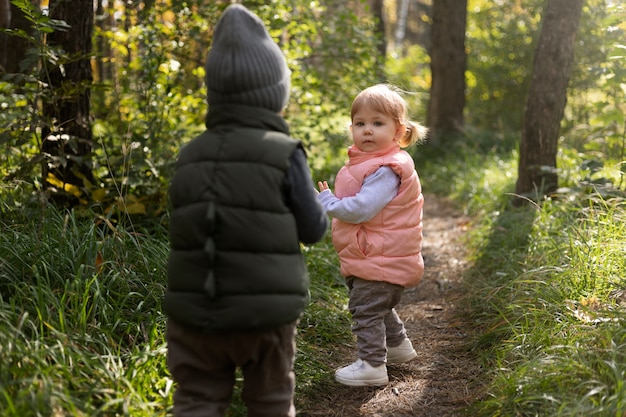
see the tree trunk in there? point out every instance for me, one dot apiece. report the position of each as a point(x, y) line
point(67, 137)
point(547, 95)
point(13, 48)
point(448, 62)
point(5, 22)
point(403, 12)
point(377, 10)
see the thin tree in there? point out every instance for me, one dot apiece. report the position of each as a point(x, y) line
point(546, 99)
point(448, 62)
point(403, 12)
point(379, 16)
point(67, 136)
point(13, 48)
point(5, 21)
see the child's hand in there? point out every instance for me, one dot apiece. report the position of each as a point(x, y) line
point(323, 186)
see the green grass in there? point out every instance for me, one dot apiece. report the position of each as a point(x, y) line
point(553, 328)
point(545, 288)
point(81, 326)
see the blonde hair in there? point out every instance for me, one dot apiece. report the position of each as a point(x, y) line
point(386, 99)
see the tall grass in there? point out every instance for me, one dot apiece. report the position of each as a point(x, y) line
point(547, 291)
point(81, 325)
point(80, 328)
point(556, 323)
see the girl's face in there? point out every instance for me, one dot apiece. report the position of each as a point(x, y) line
point(374, 131)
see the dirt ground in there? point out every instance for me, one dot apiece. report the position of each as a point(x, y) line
point(443, 379)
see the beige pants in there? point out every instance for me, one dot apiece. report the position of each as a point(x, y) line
point(375, 321)
point(203, 367)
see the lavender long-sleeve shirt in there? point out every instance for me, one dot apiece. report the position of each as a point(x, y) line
point(377, 191)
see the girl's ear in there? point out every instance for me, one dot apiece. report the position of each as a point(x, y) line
point(400, 130)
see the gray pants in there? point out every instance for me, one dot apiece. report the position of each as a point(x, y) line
point(204, 365)
point(375, 321)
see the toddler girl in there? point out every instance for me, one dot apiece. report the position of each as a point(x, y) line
point(377, 230)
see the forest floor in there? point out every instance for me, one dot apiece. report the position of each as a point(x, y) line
point(445, 377)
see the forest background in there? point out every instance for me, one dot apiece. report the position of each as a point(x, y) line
point(67, 274)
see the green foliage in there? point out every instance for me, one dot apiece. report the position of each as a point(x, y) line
point(474, 170)
point(81, 321)
point(332, 54)
point(154, 102)
point(149, 96)
point(411, 73)
point(501, 42)
point(501, 39)
point(596, 115)
point(599, 75)
point(20, 94)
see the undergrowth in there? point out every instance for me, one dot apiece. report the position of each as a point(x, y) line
point(547, 290)
point(81, 324)
point(81, 328)
point(553, 330)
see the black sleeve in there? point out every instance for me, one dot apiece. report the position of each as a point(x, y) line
point(301, 197)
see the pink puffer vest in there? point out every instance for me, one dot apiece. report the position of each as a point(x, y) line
point(388, 247)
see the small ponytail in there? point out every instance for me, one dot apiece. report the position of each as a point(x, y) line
point(415, 133)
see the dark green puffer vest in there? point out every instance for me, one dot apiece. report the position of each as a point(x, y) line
point(235, 262)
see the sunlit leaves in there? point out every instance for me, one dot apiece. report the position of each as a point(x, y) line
point(330, 48)
point(500, 42)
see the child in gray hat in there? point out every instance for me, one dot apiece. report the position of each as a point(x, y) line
point(242, 201)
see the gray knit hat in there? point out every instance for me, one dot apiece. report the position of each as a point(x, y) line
point(245, 65)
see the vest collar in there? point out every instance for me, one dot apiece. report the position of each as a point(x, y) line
point(356, 156)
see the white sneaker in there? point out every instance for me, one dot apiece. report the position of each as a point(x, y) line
point(401, 353)
point(361, 374)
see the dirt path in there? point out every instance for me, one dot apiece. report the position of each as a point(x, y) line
point(442, 379)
